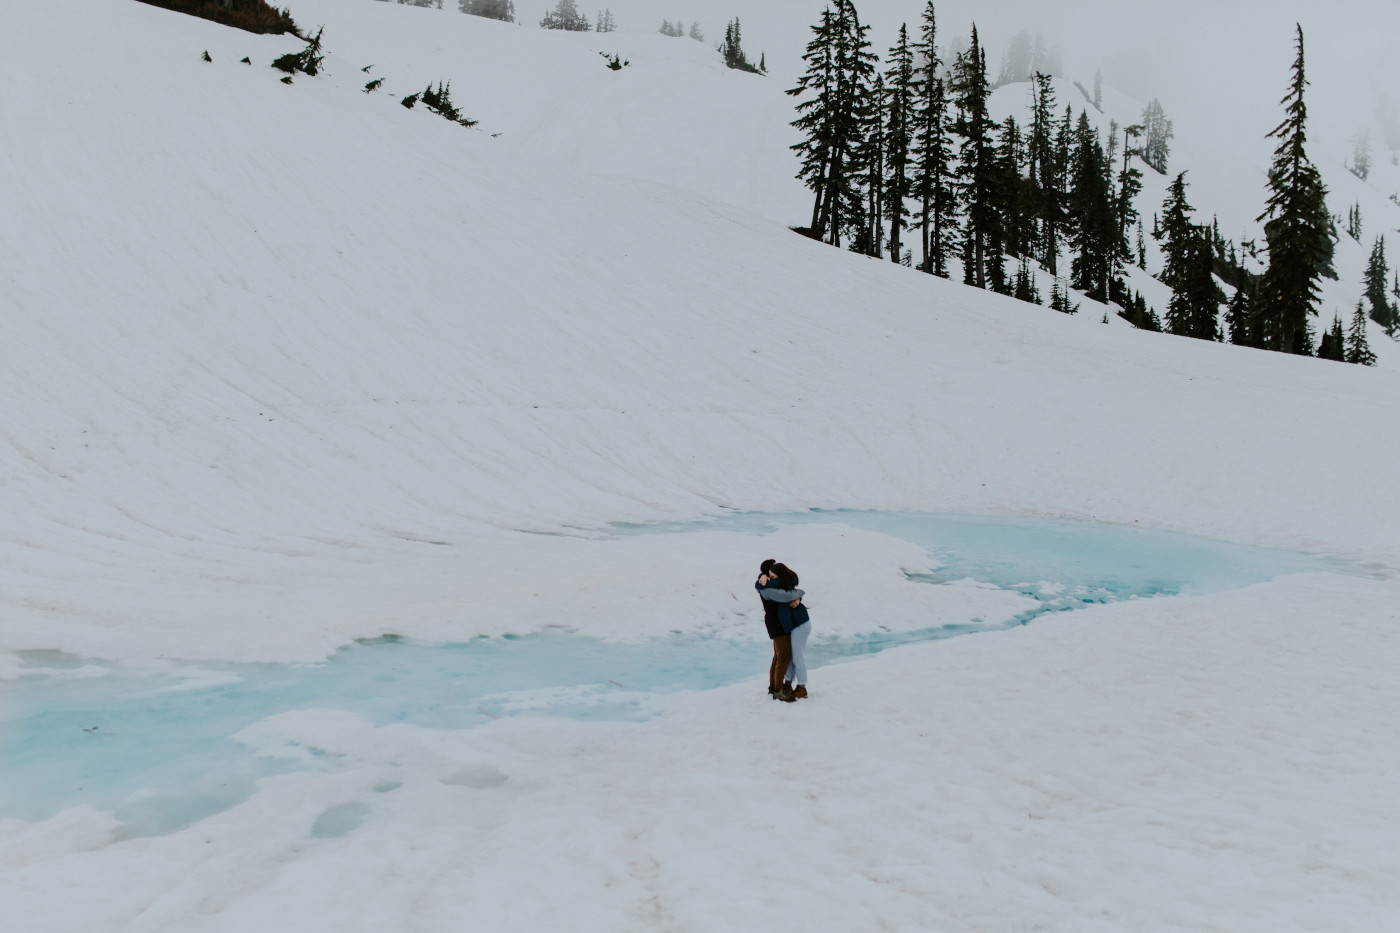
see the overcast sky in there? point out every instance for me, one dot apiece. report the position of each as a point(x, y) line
point(1218, 66)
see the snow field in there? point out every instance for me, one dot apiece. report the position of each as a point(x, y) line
point(288, 366)
point(1128, 768)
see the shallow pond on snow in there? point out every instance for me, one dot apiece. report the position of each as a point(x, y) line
point(153, 745)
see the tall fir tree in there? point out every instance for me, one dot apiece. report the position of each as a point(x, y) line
point(1060, 170)
point(1156, 131)
point(1014, 198)
point(1382, 311)
point(732, 48)
point(1046, 173)
point(832, 118)
point(816, 115)
point(899, 131)
point(870, 156)
point(1024, 288)
point(1094, 228)
point(933, 174)
point(1297, 227)
point(977, 163)
point(1129, 186)
point(1187, 248)
point(1358, 347)
point(1238, 314)
point(1354, 222)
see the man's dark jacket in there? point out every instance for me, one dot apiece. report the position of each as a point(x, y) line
point(771, 620)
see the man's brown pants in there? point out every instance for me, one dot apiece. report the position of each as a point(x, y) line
point(782, 657)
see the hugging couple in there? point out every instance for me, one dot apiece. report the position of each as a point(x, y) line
point(788, 626)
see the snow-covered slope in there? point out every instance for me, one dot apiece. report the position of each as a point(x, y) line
point(261, 321)
point(286, 366)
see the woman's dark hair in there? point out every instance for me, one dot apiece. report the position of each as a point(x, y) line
point(785, 576)
point(766, 566)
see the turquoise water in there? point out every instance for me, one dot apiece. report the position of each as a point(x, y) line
point(154, 747)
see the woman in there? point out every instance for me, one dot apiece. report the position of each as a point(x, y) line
point(781, 588)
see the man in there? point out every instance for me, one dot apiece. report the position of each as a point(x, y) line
point(782, 641)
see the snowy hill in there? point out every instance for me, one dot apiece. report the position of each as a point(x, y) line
point(287, 366)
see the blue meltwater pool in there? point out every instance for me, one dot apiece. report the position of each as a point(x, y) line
point(154, 746)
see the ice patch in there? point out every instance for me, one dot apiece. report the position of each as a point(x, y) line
point(163, 744)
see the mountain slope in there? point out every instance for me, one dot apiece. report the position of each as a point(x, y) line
point(250, 322)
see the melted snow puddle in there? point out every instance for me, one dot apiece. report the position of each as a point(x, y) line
point(154, 745)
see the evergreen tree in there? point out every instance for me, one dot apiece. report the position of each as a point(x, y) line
point(1129, 186)
point(1297, 227)
point(1188, 249)
point(840, 71)
point(1140, 316)
point(818, 115)
point(1175, 232)
point(1358, 348)
point(870, 157)
point(1156, 130)
point(1094, 232)
point(1201, 302)
point(1237, 315)
point(976, 158)
point(899, 140)
point(491, 9)
point(1361, 154)
point(1334, 342)
point(695, 32)
point(606, 23)
point(1382, 311)
point(1098, 95)
point(1016, 64)
point(1354, 222)
point(933, 176)
point(1014, 198)
point(1060, 171)
point(1046, 172)
point(732, 48)
point(1025, 289)
point(566, 16)
point(1060, 299)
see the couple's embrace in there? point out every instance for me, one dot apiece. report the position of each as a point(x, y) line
point(788, 626)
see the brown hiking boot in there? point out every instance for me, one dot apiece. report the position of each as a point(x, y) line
point(799, 691)
point(786, 695)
